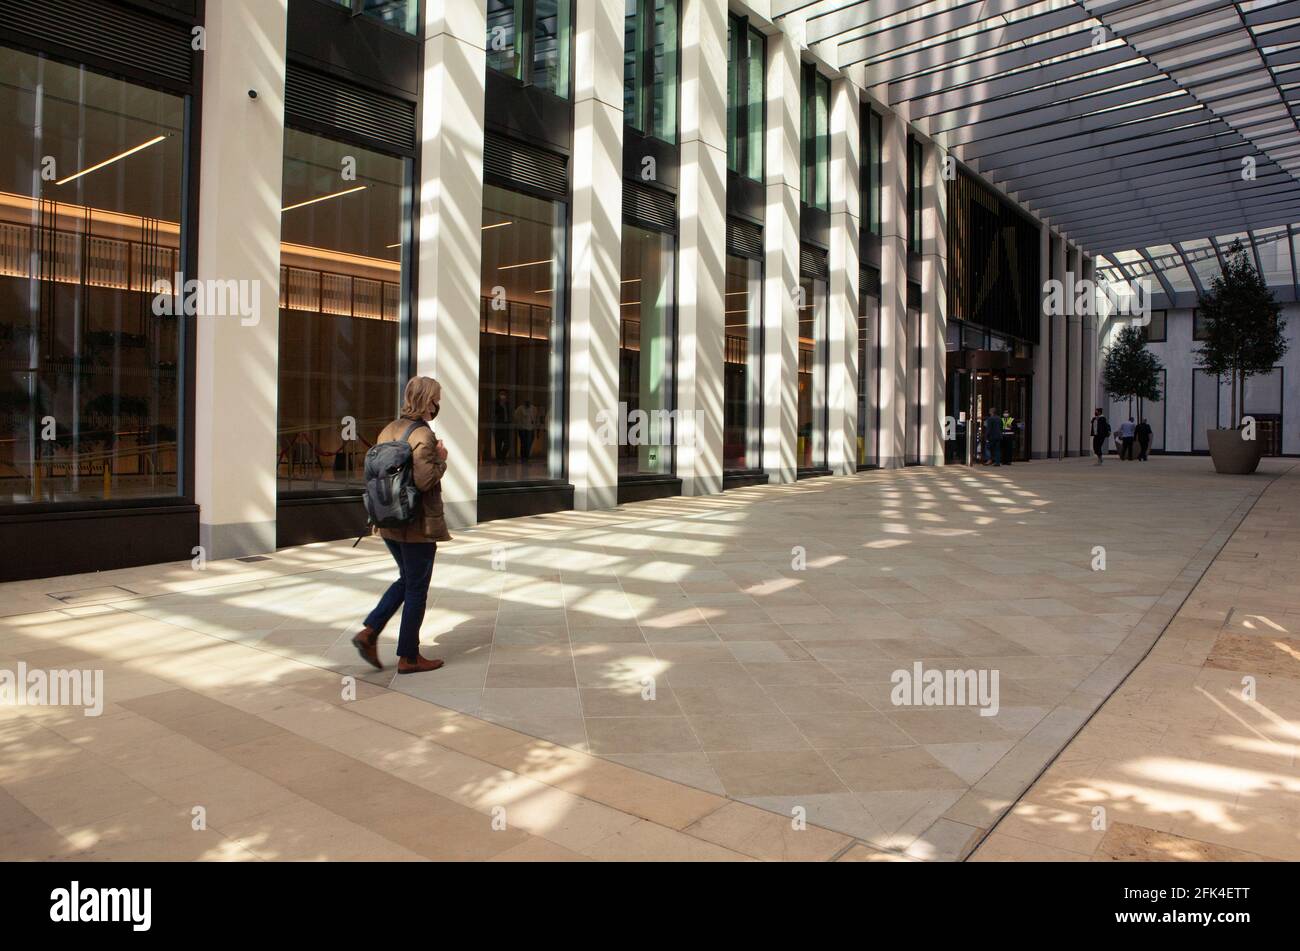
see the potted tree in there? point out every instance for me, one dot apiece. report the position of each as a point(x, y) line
point(1243, 337)
point(1131, 371)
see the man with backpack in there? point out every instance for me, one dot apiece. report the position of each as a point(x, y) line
point(403, 499)
point(1100, 433)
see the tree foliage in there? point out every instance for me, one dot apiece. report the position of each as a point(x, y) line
point(1131, 371)
point(1243, 328)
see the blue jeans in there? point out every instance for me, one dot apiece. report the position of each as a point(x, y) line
point(409, 592)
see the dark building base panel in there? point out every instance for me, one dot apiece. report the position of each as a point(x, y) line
point(643, 490)
point(741, 479)
point(303, 521)
point(52, 544)
point(515, 501)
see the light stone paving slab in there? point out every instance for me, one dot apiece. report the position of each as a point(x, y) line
point(1196, 756)
point(655, 661)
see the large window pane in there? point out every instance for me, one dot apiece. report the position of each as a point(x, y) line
point(532, 41)
point(868, 378)
point(874, 131)
point(743, 402)
point(401, 14)
point(664, 122)
point(342, 307)
point(650, 67)
point(812, 374)
point(746, 51)
point(634, 43)
point(645, 353)
point(912, 452)
point(90, 212)
point(521, 344)
point(552, 32)
point(816, 94)
point(503, 19)
point(755, 102)
point(735, 100)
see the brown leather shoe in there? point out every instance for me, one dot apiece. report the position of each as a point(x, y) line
point(418, 666)
point(367, 645)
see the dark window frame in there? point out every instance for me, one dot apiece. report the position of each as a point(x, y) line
point(1198, 335)
point(524, 50)
point(1164, 327)
point(814, 138)
point(740, 37)
point(645, 78)
point(869, 179)
point(915, 194)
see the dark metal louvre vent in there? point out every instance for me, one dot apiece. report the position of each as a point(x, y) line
point(869, 277)
point(744, 238)
point(649, 206)
point(812, 263)
point(323, 101)
point(105, 31)
point(515, 163)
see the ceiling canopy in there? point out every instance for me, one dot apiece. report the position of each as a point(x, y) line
point(1124, 123)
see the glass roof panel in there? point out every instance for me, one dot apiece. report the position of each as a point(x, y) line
point(1274, 255)
point(1201, 256)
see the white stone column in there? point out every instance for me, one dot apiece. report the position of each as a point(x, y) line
point(1060, 340)
point(702, 261)
point(237, 360)
point(781, 262)
point(1041, 423)
point(845, 235)
point(1074, 358)
point(893, 292)
point(934, 304)
point(596, 260)
point(451, 240)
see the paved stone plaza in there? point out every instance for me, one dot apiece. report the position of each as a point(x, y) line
point(677, 679)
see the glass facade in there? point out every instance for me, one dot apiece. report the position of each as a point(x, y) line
point(650, 67)
point(647, 335)
point(915, 195)
point(532, 40)
point(344, 232)
point(871, 164)
point(746, 59)
point(523, 313)
point(742, 438)
point(813, 355)
point(868, 379)
point(816, 138)
point(912, 450)
point(91, 201)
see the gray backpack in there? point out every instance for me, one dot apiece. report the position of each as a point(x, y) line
point(391, 497)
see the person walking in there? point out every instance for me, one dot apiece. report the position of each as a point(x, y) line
point(1009, 434)
point(415, 544)
point(1127, 432)
point(993, 436)
point(501, 427)
point(1100, 428)
point(1143, 433)
point(526, 427)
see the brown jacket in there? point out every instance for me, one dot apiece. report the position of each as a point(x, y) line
point(428, 524)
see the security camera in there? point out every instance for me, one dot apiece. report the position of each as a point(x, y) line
point(252, 94)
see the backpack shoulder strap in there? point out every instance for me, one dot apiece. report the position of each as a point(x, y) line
point(406, 437)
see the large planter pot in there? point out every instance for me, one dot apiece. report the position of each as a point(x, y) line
point(1233, 455)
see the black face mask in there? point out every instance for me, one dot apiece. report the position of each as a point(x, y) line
point(434, 414)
